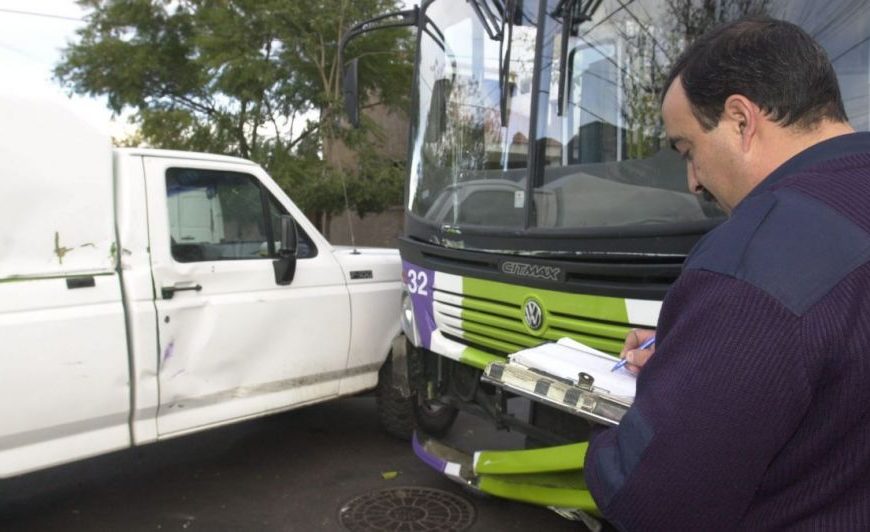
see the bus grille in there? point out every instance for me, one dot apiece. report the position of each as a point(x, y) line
point(498, 327)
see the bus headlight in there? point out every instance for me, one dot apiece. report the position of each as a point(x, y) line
point(409, 324)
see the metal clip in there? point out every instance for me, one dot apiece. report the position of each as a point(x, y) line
point(585, 381)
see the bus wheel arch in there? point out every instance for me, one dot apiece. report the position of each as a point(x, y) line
point(403, 407)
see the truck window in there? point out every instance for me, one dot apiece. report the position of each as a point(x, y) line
point(221, 215)
point(305, 248)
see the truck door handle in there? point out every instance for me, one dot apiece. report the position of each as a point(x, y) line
point(169, 291)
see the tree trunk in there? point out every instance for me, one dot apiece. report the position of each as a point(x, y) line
point(327, 223)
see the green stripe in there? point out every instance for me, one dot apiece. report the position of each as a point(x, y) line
point(509, 311)
point(491, 343)
point(588, 327)
point(602, 344)
point(563, 490)
point(505, 336)
point(515, 324)
point(548, 459)
point(477, 358)
point(596, 307)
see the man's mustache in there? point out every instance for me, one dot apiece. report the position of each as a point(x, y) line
point(706, 195)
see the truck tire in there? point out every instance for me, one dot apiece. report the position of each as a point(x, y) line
point(401, 416)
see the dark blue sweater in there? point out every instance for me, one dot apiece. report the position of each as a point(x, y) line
point(754, 411)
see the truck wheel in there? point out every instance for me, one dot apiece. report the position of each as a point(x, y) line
point(400, 416)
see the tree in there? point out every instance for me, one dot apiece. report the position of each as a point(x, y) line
point(655, 44)
point(255, 78)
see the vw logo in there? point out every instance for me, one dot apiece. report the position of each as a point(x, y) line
point(533, 315)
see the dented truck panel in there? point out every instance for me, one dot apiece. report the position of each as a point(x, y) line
point(241, 345)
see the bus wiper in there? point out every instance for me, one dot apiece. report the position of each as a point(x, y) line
point(572, 13)
point(497, 20)
point(489, 18)
point(504, 55)
point(437, 36)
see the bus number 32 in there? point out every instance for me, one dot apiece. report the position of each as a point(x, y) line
point(417, 282)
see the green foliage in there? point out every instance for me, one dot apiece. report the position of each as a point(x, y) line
point(246, 78)
point(654, 49)
point(378, 185)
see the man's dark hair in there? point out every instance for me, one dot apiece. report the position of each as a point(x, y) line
point(774, 63)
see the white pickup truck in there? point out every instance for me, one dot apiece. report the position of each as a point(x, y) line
point(146, 294)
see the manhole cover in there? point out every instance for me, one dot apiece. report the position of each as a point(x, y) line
point(407, 509)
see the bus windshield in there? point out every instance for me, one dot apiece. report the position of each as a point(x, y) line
point(536, 117)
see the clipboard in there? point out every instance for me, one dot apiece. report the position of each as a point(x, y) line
point(569, 376)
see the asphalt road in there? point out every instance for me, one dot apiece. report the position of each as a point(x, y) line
point(292, 471)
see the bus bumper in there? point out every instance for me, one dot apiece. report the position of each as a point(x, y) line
point(551, 476)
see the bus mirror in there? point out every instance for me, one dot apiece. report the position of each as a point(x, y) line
point(350, 89)
point(350, 81)
point(437, 123)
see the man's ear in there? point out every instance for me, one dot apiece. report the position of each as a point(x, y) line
point(742, 116)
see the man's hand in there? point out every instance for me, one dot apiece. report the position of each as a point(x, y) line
point(637, 357)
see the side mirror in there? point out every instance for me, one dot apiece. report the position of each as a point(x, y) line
point(285, 264)
point(350, 81)
point(350, 88)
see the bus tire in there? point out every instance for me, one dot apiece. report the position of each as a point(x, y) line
point(401, 416)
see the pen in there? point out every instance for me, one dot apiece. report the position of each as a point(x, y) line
point(646, 345)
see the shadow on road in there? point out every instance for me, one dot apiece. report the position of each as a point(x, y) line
point(292, 471)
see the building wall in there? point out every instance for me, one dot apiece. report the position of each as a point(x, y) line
point(382, 229)
point(378, 230)
point(392, 140)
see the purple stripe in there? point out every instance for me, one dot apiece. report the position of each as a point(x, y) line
point(419, 283)
point(431, 460)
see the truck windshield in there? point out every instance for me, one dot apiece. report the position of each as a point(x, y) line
point(590, 155)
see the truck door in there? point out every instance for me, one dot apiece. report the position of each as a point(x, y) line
point(233, 343)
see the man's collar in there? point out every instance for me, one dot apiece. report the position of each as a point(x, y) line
point(826, 150)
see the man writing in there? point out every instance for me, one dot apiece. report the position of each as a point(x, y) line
point(754, 411)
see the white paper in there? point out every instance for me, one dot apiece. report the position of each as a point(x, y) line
point(567, 358)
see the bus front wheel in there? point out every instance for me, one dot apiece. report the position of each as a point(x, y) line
point(400, 416)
